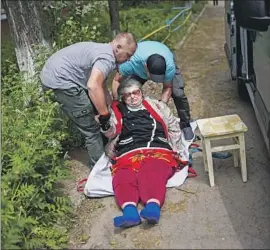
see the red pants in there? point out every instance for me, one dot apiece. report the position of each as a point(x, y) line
point(148, 183)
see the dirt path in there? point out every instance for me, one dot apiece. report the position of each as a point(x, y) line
point(231, 214)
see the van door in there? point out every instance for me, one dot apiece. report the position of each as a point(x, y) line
point(261, 61)
point(230, 36)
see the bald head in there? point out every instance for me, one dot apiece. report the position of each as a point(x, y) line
point(125, 36)
point(124, 46)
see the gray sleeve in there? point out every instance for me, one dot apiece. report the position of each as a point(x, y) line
point(105, 66)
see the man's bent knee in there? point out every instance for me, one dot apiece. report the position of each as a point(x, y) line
point(178, 86)
point(178, 92)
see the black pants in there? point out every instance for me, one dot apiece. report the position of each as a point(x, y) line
point(215, 2)
point(180, 99)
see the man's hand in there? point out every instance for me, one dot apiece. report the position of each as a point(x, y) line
point(166, 92)
point(96, 91)
point(163, 102)
point(104, 121)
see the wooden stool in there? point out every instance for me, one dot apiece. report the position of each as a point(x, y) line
point(229, 126)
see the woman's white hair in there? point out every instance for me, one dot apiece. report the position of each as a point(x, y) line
point(127, 83)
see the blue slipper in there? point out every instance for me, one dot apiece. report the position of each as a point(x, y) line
point(151, 213)
point(129, 218)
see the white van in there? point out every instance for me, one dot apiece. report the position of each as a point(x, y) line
point(247, 47)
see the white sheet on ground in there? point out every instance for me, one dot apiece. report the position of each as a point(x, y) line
point(99, 182)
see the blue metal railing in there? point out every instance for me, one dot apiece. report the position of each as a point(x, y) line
point(184, 10)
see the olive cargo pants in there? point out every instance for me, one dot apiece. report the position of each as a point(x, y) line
point(78, 107)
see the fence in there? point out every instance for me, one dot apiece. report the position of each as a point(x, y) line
point(185, 13)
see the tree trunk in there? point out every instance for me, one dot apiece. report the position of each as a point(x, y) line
point(114, 16)
point(24, 18)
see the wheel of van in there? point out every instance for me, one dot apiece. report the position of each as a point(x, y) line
point(242, 90)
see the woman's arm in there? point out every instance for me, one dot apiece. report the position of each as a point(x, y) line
point(110, 147)
point(174, 131)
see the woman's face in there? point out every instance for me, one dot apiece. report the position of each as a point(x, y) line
point(133, 96)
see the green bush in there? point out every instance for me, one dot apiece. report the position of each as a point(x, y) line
point(32, 209)
point(198, 6)
point(8, 57)
point(143, 21)
point(82, 21)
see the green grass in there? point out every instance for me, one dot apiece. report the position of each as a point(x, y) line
point(144, 20)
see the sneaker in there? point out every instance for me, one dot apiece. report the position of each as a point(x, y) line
point(188, 133)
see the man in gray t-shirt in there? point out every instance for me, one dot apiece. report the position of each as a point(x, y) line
point(76, 74)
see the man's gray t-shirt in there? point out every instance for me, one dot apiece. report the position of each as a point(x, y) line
point(72, 65)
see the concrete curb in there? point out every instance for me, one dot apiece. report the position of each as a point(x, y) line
point(190, 29)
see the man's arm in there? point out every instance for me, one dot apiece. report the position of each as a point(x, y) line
point(115, 84)
point(167, 85)
point(169, 75)
point(108, 96)
point(96, 91)
point(125, 69)
point(166, 92)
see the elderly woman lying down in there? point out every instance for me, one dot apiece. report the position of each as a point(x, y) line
point(146, 139)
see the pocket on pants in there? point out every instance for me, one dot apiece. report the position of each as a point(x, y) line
point(85, 119)
point(82, 112)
